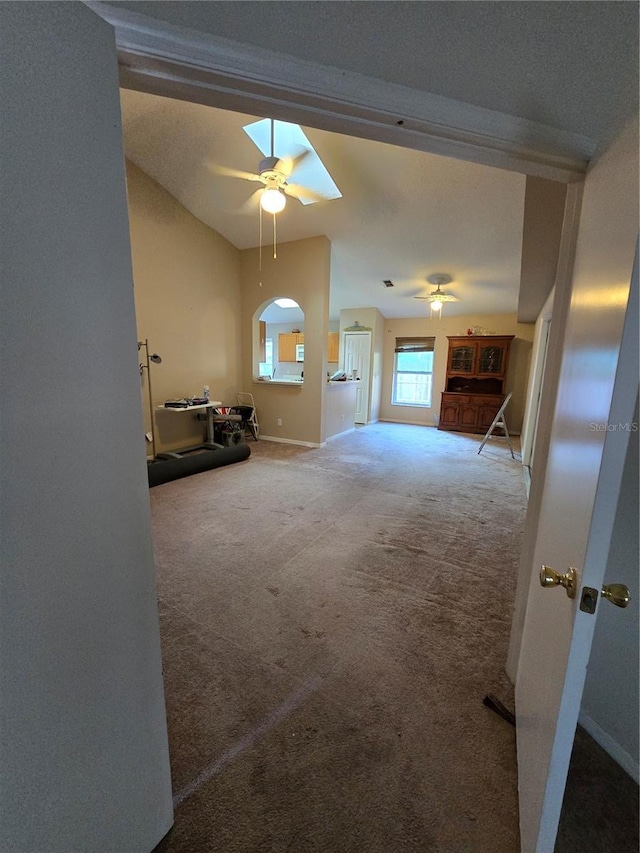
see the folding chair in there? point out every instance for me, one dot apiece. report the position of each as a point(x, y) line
point(247, 409)
point(499, 421)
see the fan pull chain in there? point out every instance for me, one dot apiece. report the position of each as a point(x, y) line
point(260, 242)
point(275, 250)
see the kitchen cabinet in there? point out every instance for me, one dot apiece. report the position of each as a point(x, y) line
point(475, 382)
point(333, 347)
point(262, 340)
point(287, 342)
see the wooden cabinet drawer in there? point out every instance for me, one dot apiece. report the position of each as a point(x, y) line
point(486, 400)
point(455, 398)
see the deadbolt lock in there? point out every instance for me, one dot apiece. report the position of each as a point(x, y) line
point(549, 577)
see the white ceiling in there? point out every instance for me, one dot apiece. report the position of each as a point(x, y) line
point(404, 215)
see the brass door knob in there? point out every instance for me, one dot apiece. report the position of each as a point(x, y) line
point(549, 577)
point(616, 593)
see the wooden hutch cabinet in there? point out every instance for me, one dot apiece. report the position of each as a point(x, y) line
point(474, 387)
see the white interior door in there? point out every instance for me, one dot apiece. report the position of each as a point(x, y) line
point(598, 379)
point(357, 356)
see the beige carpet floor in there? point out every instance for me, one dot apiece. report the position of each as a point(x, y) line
point(331, 620)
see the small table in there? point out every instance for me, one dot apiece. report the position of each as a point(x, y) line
point(210, 443)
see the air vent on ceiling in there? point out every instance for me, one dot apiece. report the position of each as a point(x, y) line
point(388, 283)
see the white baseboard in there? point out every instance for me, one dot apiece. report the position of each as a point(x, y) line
point(619, 755)
point(339, 435)
point(289, 441)
point(404, 421)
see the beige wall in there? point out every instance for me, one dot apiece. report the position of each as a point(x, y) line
point(339, 410)
point(187, 297)
point(301, 271)
point(501, 324)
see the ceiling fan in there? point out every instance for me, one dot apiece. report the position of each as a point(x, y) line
point(274, 173)
point(296, 154)
point(437, 298)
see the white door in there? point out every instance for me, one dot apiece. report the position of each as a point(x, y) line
point(597, 387)
point(357, 357)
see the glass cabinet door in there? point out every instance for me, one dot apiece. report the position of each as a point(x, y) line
point(462, 359)
point(490, 360)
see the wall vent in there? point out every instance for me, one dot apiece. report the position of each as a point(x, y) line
point(388, 283)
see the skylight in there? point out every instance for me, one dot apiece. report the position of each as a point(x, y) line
point(285, 302)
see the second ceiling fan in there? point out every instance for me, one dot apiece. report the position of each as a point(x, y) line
point(437, 297)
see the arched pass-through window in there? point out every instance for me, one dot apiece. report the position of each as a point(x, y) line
point(278, 337)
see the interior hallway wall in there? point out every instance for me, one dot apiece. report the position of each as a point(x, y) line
point(440, 327)
point(83, 739)
point(187, 296)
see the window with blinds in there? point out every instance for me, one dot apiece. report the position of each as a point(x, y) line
point(413, 372)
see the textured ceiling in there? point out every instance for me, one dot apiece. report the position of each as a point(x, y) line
point(404, 214)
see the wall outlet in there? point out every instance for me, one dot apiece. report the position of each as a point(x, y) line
point(279, 421)
point(148, 436)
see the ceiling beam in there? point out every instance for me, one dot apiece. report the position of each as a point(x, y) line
point(163, 59)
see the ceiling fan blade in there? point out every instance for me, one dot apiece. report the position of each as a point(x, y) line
point(286, 165)
point(252, 203)
point(227, 172)
point(300, 192)
point(442, 297)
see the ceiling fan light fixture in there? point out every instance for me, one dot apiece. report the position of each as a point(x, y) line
point(273, 200)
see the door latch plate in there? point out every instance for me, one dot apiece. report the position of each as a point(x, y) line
point(589, 599)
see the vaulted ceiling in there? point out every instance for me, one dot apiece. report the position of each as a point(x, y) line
point(404, 214)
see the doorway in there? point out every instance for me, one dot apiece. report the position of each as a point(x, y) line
point(357, 365)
